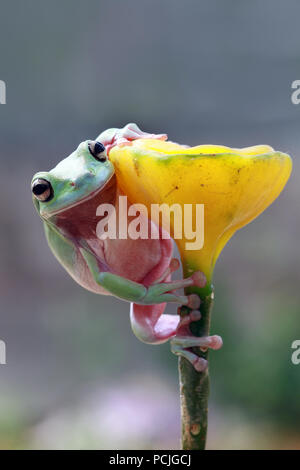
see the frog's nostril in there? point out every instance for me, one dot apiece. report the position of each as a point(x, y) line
point(42, 190)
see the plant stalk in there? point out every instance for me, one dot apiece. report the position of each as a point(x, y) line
point(194, 386)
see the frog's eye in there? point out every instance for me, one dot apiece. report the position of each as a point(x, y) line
point(42, 190)
point(98, 151)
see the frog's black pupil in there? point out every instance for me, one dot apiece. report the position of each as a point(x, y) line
point(40, 188)
point(99, 148)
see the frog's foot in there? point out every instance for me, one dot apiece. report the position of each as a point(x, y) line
point(148, 321)
point(180, 345)
point(185, 321)
point(166, 291)
point(151, 325)
point(128, 134)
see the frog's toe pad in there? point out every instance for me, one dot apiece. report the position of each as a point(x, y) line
point(180, 345)
point(200, 364)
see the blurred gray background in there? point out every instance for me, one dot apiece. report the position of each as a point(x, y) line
point(204, 72)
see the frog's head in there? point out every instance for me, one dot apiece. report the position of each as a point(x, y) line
point(78, 178)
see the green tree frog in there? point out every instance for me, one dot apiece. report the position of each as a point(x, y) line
point(136, 270)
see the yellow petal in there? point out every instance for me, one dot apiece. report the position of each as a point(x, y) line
point(235, 186)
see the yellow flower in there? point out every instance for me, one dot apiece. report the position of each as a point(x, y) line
point(235, 186)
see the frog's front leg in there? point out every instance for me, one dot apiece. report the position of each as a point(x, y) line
point(125, 136)
point(145, 295)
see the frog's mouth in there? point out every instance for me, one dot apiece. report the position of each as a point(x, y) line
point(79, 221)
point(106, 194)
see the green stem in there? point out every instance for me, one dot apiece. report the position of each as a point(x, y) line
point(194, 386)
